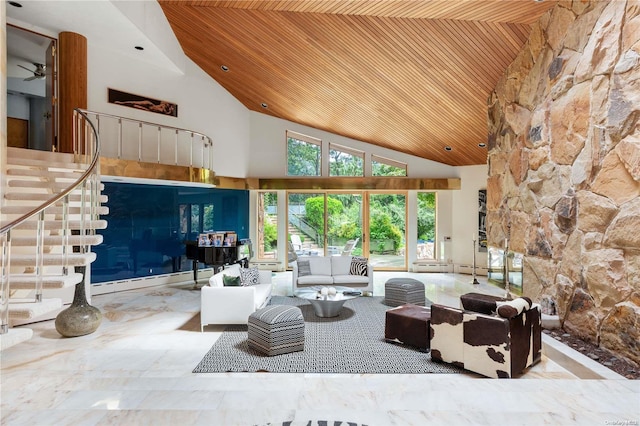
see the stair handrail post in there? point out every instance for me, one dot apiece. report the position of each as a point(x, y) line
point(175, 148)
point(159, 141)
point(83, 213)
point(4, 282)
point(210, 166)
point(39, 255)
point(191, 150)
point(119, 138)
point(202, 153)
point(65, 235)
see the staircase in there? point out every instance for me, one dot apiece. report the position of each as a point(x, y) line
point(48, 216)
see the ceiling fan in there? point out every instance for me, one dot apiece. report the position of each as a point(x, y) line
point(38, 73)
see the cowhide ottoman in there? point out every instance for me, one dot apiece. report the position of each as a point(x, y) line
point(409, 325)
point(400, 291)
point(276, 330)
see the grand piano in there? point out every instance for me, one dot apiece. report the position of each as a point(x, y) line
point(215, 256)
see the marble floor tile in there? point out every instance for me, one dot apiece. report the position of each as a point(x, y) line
point(137, 370)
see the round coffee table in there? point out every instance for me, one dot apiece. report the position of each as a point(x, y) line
point(327, 306)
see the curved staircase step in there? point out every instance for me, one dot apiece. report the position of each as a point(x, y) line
point(14, 337)
point(57, 224)
point(24, 309)
point(21, 210)
point(28, 281)
point(31, 196)
point(46, 163)
point(57, 186)
point(36, 154)
point(56, 240)
point(70, 175)
point(73, 259)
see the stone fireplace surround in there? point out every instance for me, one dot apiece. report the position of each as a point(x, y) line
point(564, 168)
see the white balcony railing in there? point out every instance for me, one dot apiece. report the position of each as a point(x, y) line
point(130, 139)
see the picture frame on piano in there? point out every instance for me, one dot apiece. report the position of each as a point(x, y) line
point(230, 239)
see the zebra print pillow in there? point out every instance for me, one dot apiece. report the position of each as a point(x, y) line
point(358, 266)
point(249, 276)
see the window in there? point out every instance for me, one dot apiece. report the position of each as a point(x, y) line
point(303, 155)
point(345, 161)
point(381, 166)
point(267, 225)
point(426, 226)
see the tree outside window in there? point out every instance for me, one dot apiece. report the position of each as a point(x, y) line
point(303, 155)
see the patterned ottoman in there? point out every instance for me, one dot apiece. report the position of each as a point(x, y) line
point(400, 291)
point(276, 330)
point(408, 324)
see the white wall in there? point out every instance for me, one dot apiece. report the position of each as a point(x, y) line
point(464, 214)
point(17, 106)
point(203, 105)
point(269, 149)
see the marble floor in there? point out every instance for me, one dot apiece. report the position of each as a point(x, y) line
point(136, 370)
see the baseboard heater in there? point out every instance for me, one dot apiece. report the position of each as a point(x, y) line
point(268, 266)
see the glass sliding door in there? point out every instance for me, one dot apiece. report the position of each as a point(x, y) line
point(344, 224)
point(426, 217)
point(387, 230)
point(306, 222)
point(267, 225)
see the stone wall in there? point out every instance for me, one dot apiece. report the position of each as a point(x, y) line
point(564, 168)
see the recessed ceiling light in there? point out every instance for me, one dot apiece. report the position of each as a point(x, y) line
point(15, 4)
point(139, 48)
point(482, 144)
point(448, 148)
point(264, 105)
point(224, 68)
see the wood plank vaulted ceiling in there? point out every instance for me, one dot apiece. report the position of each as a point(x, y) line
point(409, 75)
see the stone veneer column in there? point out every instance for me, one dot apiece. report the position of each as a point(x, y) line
point(564, 168)
point(72, 84)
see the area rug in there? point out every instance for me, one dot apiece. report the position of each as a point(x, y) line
point(351, 343)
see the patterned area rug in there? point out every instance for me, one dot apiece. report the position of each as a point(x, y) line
point(350, 343)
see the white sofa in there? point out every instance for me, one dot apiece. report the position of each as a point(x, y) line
point(331, 271)
point(232, 305)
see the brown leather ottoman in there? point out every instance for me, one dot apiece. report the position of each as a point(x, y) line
point(408, 324)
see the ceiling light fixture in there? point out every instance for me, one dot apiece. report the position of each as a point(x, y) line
point(15, 4)
point(139, 48)
point(448, 148)
point(224, 68)
point(482, 144)
point(264, 105)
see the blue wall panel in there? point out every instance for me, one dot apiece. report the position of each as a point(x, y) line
point(148, 225)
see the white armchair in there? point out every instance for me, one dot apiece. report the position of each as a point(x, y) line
point(232, 305)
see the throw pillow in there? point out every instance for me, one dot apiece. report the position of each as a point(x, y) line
point(304, 268)
point(249, 276)
point(358, 266)
point(514, 307)
point(230, 281)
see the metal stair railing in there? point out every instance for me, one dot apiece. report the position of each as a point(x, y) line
point(150, 147)
point(86, 150)
point(297, 221)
